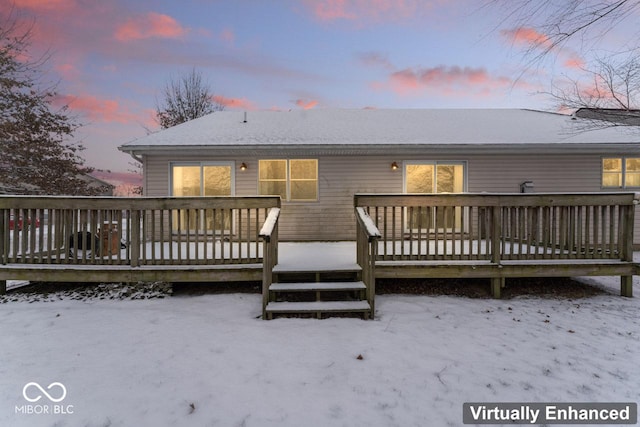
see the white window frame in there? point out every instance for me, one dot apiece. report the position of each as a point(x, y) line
point(288, 180)
point(623, 160)
point(435, 163)
point(202, 166)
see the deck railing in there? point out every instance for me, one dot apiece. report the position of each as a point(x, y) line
point(496, 227)
point(132, 231)
point(367, 236)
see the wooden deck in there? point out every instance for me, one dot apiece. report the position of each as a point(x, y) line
point(497, 236)
point(222, 239)
point(208, 239)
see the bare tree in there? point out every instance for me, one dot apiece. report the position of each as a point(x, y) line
point(37, 155)
point(610, 94)
point(558, 21)
point(609, 98)
point(612, 85)
point(184, 99)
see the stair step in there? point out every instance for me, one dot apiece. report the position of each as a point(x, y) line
point(346, 268)
point(319, 306)
point(317, 286)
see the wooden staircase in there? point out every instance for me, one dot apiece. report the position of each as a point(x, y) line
point(318, 293)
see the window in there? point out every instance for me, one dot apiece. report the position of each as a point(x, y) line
point(621, 172)
point(434, 177)
point(293, 180)
point(201, 179)
point(430, 178)
point(273, 178)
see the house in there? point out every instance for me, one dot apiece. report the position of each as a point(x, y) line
point(101, 187)
point(613, 116)
point(316, 160)
point(95, 185)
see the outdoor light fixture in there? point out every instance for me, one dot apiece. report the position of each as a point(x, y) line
point(243, 166)
point(394, 166)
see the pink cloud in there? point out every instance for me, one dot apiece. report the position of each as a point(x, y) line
point(526, 36)
point(404, 80)
point(306, 104)
point(68, 71)
point(369, 10)
point(530, 37)
point(151, 25)
point(574, 62)
point(44, 4)
point(375, 59)
point(329, 10)
point(102, 110)
point(240, 103)
point(228, 35)
point(444, 80)
point(597, 92)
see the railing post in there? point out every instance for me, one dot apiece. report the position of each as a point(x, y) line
point(267, 274)
point(3, 260)
point(276, 244)
point(497, 283)
point(135, 238)
point(371, 267)
point(626, 282)
point(4, 240)
point(367, 235)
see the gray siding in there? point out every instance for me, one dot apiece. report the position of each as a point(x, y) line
point(340, 177)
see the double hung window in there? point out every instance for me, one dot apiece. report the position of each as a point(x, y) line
point(621, 172)
point(294, 180)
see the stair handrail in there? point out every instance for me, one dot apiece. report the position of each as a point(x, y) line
point(367, 235)
point(269, 235)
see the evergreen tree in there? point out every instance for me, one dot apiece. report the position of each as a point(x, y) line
point(37, 155)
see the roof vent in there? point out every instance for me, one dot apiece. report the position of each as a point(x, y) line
point(245, 117)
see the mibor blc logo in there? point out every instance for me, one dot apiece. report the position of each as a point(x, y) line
point(26, 392)
point(55, 393)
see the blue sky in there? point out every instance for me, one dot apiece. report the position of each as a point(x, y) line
point(112, 58)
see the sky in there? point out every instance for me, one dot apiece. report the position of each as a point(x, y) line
point(111, 59)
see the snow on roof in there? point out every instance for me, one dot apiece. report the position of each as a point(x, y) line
point(378, 127)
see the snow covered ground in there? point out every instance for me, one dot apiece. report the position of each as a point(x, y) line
point(210, 361)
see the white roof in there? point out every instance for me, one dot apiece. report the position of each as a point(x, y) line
point(384, 127)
